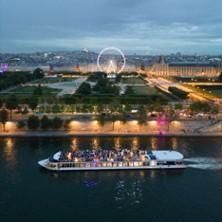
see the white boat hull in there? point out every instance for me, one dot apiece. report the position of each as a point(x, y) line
point(44, 164)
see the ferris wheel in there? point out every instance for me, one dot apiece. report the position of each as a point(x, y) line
point(111, 60)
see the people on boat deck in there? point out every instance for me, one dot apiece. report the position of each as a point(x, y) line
point(103, 155)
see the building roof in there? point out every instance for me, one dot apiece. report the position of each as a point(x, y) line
point(193, 64)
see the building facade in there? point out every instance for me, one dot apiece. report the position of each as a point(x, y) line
point(161, 68)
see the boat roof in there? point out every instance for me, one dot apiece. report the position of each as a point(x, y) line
point(167, 155)
point(57, 155)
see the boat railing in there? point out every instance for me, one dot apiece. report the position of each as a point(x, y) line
point(94, 164)
point(103, 164)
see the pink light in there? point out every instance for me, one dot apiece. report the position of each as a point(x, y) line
point(4, 67)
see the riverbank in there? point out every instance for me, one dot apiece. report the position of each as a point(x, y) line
point(112, 134)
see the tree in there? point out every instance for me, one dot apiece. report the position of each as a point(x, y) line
point(45, 123)
point(56, 123)
point(101, 120)
point(157, 106)
point(214, 110)
point(123, 118)
point(219, 78)
point(142, 115)
point(3, 118)
point(118, 78)
point(103, 82)
point(178, 92)
point(38, 73)
point(38, 91)
point(114, 118)
point(11, 104)
point(15, 78)
point(25, 110)
point(33, 103)
point(1, 103)
point(129, 90)
point(67, 123)
point(200, 107)
point(56, 108)
point(178, 106)
point(21, 124)
point(84, 89)
point(128, 108)
point(33, 122)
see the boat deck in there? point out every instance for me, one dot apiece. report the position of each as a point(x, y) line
point(113, 160)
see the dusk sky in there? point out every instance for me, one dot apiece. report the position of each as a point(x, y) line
point(135, 26)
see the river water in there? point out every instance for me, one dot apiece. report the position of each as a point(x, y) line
point(29, 193)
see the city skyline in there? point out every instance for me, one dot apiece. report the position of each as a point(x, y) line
point(142, 27)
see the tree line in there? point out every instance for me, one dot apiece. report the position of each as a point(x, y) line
point(44, 123)
point(10, 79)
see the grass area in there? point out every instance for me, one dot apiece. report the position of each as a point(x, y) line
point(53, 80)
point(193, 79)
point(144, 90)
point(202, 91)
point(133, 81)
point(27, 90)
point(217, 92)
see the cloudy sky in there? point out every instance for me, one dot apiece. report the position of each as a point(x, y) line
point(136, 26)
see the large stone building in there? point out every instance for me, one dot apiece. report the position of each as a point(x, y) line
point(161, 68)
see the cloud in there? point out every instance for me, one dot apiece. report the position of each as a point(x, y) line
point(143, 26)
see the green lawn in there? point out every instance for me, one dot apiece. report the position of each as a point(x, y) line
point(144, 90)
point(26, 90)
point(133, 81)
point(217, 92)
point(53, 80)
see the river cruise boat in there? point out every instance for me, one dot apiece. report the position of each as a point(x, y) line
point(87, 160)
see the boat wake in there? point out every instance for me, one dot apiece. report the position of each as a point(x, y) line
point(204, 163)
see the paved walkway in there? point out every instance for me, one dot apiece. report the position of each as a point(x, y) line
point(71, 134)
point(130, 128)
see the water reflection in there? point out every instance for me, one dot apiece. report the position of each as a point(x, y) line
point(118, 143)
point(9, 150)
point(153, 174)
point(128, 193)
point(90, 184)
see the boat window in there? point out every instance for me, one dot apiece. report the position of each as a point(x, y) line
point(171, 163)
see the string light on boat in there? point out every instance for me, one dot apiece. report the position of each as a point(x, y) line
point(74, 144)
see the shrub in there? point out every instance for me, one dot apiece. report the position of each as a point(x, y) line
point(33, 122)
